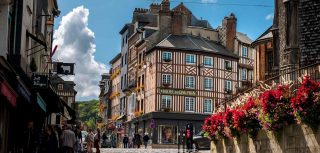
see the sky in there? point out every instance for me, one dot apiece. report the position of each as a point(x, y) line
point(87, 31)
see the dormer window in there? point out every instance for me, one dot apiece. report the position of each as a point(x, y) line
point(60, 86)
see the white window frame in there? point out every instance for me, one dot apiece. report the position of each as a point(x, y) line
point(189, 59)
point(210, 81)
point(166, 55)
point(206, 107)
point(189, 104)
point(190, 84)
point(166, 101)
point(244, 74)
point(228, 85)
point(166, 79)
point(205, 58)
point(244, 51)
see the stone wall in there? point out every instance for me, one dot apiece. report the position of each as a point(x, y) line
point(292, 139)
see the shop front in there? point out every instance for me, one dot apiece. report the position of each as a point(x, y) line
point(163, 127)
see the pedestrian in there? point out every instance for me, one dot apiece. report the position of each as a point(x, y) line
point(78, 146)
point(125, 141)
point(104, 139)
point(68, 140)
point(29, 138)
point(137, 139)
point(51, 140)
point(145, 140)
point(113, 140)
point(89, 140)
point(97, 139)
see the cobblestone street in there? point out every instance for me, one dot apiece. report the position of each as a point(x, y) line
point(121, 150)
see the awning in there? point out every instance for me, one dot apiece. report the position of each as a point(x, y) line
point(9, 93)
point(71, 112)
point(120, 117)
point(41, 103)
point(51, 99)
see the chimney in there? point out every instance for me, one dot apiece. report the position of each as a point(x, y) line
point(165, 5)
point(229, 26)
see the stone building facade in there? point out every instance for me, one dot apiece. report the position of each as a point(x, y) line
point(296, 33)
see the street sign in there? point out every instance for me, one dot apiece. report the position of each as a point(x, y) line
point(40, 80)
point(65, 68)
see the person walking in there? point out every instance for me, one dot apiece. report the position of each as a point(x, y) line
point(68, 140)
point(145, 140)
point(137, 139)
point(51, 140)
point(113, 140)
point(29, 138)
point(125, 141)
point(89, 140)
point(78, 146)
point(97, 139)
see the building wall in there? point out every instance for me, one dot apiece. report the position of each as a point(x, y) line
point(4, 30)
point(178, 69)
point(116, 89)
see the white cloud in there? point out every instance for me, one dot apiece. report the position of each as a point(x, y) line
point(76, 44)
point(269, 16)
point(209, 1)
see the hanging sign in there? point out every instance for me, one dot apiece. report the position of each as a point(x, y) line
point(40, 81)
point(65, 68)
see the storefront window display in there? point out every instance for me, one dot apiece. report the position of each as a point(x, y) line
point(167, 134)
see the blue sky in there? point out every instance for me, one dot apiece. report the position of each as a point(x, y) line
point(94, 30)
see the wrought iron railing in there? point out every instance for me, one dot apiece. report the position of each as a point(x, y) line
point(312, 70)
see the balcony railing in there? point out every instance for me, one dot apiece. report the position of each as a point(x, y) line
point(312, 70)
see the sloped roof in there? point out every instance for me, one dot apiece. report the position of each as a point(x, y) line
point(266, 35)
point(193, 43)
point(243, 38)
point(67, 85)
point(200, 23)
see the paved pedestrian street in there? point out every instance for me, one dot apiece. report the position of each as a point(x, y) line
point(122, 150)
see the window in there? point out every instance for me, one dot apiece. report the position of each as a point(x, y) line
point(207, 83)
point(191, 59)
point(166, 79)
point(189, 82)
point(167, 134)
point(166, 101)
point(207, 105)
point(60, 86)
point(227, 65)
point(244, 51)
point(189, 104)
point(208, 61)
point(166, 56)
point(244, 74)
point(227, 86)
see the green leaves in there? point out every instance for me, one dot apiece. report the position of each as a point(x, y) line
point(88, 112)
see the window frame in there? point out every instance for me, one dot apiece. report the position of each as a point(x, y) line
point(194, 57)
point(205, 108)
point(226, 65)
point(204, 61)
point(244, 77)
point(165, 82)
point(244, 48)
point(168, 101)
point(166, 54)
point(187, 109)
point(211, 86)
point(227, 83)
point(187, 84)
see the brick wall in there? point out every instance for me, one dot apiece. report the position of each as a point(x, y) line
point(293, 139)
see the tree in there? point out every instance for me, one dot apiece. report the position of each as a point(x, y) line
point(88, 112)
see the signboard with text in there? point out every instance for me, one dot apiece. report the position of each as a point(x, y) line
point(40, 81)
point(178, 92)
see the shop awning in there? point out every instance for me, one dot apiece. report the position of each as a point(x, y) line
point(120, 117)
point(41, 103)
point(51, 99)
point(71, 112)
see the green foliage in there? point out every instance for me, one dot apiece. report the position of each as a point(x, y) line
point(88, 112)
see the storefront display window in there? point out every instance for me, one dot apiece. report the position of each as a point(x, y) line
point(167, 134)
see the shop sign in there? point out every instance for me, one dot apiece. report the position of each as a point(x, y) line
point(41, 103)
point(178, 92)
point(65, 68)
point(40, 81)
point(9, 94)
